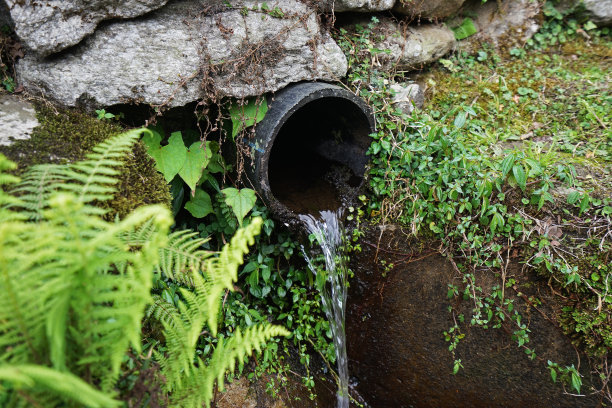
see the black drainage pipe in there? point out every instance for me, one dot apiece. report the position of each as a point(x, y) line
point(309, 151)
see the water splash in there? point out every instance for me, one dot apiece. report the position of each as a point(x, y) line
point(329, 233)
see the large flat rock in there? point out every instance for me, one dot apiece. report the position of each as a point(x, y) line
point(53, 25)
point(181, 54)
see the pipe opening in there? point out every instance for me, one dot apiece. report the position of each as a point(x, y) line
point(318, 157)
point(309, 151)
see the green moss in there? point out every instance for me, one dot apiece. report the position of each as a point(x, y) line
point(66, 136)
point(558, 97)
point(587, 315)
point(141, 184)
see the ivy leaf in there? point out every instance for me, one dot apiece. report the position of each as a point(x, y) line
point(241, 201)
point(245, 115)
point(506, 164)
point(200, 205)
point(519, 175)
point(152, 142)
point(169, 159)
point(216, 164)
point(197, 158)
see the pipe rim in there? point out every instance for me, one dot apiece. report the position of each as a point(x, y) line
point(282, 106)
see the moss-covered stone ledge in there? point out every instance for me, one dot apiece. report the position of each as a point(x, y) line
point(65, 136)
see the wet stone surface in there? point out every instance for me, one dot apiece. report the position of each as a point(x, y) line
point(17, 119)
point(397, 353)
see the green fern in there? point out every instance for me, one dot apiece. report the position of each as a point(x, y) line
point(197, 387)
point(7, 179)
point(90, 180)
point(188, 380)
point(179, 257)
point(75, 288)
point(33, 376)
point(74, 293)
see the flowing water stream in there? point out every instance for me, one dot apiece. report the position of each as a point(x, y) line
point(329, 234)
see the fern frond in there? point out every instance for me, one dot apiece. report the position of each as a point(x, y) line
point(188, 380)
point(36, 188)
point(222, 272)
point(65, 262)
point(28, 376)
point(179, 257)
point(181, 331)
point(5, 180)
point(182, 256)
point(92, 179)
point(198, 388)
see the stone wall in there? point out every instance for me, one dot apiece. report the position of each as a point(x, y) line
point(170, 53)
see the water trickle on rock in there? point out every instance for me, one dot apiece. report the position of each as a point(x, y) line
point(332, 286)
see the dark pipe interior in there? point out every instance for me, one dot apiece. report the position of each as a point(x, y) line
point(318, 157)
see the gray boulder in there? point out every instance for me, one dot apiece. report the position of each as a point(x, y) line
point(512, 24)
point(411, 47)
point(600, 11)
point(355, 5)
point(178, 55)
point(429, 9)
point(53, 25)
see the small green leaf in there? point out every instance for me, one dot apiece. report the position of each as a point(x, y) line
point(200, 205)
point(584, 204)
point(553, 374)
point(576, 380)
point(496, 221)
point(245, 115)
point(460, 120)
point(573, 197)
point(197, 158)
point(506, 164)
point(241, 201)
point(456, 366)
point(519, 175)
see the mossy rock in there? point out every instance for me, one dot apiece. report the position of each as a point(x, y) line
point(66, 136)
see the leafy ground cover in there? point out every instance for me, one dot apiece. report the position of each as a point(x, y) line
point(511, 152)
point(511, 155)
